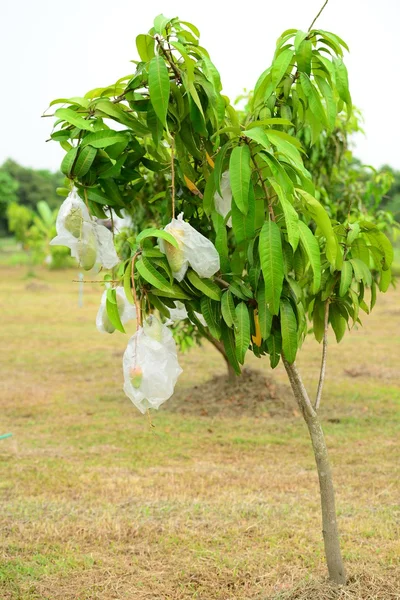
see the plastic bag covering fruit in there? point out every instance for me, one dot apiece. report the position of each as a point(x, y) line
point(150, 366)
point(89, 242)
point(223, 204)
point(127, 312)
point(194, 250)
point(179, 313)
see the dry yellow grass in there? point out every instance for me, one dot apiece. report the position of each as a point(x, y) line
point(96, 504)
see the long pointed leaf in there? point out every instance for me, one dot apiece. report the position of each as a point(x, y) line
point(270, 249)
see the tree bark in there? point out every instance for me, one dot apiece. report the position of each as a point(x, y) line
point(330, 531)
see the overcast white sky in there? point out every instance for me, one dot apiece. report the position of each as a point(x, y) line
point(51, 49)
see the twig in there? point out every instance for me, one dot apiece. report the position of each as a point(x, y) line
point(112, 222)
point(96, 281)
point(323, 359)
point(267, 197)
point(173, 176)
point(135, 298)
point(311, 26)
point(169, 60)
point(223, 283)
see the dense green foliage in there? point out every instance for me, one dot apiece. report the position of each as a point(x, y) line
point(297, 243)
point(26, 187)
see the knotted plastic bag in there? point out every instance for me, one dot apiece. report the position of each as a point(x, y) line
point(194, 250)
point(127, 312)
point(150, 365)
point(179, 313)
point(89, 242)
point(223, 204)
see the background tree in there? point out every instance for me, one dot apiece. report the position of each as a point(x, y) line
point(286, 260)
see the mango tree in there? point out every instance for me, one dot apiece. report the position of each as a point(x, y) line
point(245, 242)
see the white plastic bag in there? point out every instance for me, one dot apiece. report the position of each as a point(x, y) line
point(224, 204)
point(194, 250)
point(127, 312)
point(180, 314)
point(150, 365)
point(89, 242)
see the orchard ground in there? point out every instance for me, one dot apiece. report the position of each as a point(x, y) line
point(97, 503)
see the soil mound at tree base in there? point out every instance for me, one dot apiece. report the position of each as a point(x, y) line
point(251, 394)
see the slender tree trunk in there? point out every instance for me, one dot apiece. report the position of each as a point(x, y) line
point(220, 347)
point(329, 523)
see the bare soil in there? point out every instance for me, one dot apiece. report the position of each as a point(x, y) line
point(252, 394)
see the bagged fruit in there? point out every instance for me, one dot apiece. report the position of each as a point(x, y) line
point(89, 242)
point(150, 365)
point(194, 250)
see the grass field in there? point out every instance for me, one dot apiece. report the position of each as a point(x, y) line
point(98, 504)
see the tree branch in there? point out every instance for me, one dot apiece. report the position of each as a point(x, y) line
point(173, 177)
point(170, 60)
point(298, 388)
point(135, 298)
point(311, 26)
point(267, 197)
point(323, 359)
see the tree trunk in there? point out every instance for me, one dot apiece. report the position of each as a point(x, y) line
point(220, 347)
point(329, 523)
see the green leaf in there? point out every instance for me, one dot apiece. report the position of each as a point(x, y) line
point(242, 331)
point(304, 56)
point(156, 303)
point(337, 321)
point(145, 47)
point(228, 339)
point(68, 162)
point(84, 161)
point(361, 271)
point(240, 174)
point(379, 239)
point(228, 309)
point(270, 249)
point(289, 331)
point(258, 135)
point(104, 138)
point(290, 214)
point(281, 65)
point(331, 108)
point(208, 312)
point(342, 82)
point(373, 294)
point(320, 216)
point(243, 225)
point(120, 114)
point(174, 291)
point(151, 275)
point(69, 115)
point(208, 197)
point(221, 240)
point(159, 87)
point(112, 311)
point(158, 233)
point(385, 280)
point(311, 247)
point(127, 284)
point(346, 278)
point(208, 287)
point(264, 315)
point(160, 23)
point(274, 345)
point(299, 37)
point(314, 100)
